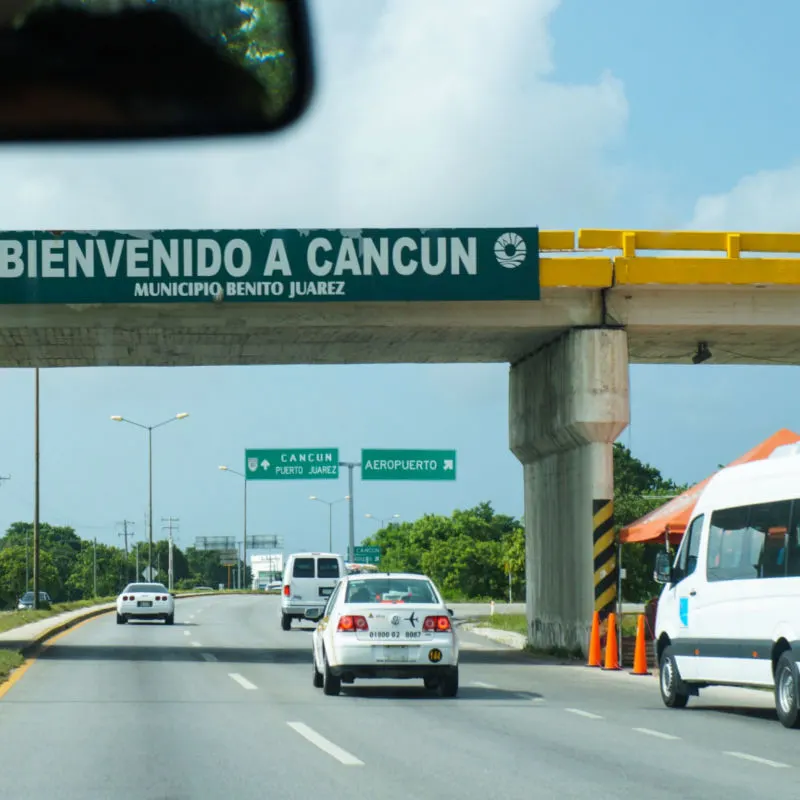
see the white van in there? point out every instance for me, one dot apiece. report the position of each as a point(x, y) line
point(308, 581)
point(729, 613)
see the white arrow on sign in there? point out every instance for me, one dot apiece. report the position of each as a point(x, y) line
point(265, 464)
point(448, 464)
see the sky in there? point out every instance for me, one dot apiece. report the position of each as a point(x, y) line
point(571, 114)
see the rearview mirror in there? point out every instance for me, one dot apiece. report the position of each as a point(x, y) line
point(82, 70)
point(663, 569)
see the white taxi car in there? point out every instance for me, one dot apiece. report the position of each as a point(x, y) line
point(145, 601)
point(388, 625)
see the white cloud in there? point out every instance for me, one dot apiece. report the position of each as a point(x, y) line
point(765, 201)
point(427, 113)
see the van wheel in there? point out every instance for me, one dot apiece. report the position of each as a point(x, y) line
point(318, 678)
point(672, 690)
point(786, 691)
point(430, 682)
point(331, 684)
point(170, 619)
point(286, 622)
point(120, 619)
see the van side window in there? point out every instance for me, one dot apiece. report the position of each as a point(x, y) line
point(728, 541)
point(303, 568)
point(328, 568)
point(747, 542)
point(690, 548)
point(793, 543)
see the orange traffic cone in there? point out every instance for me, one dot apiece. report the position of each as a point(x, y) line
point(640, 653)
point(594, 643)
point(612, 652)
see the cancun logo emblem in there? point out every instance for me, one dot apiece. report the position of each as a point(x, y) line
point(510, 250)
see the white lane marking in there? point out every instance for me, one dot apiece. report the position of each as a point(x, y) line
point(657, 734)
point(187, 633)
point(342, 756)
point(241, 680)
point(587, 714)
point(483, 685)
point(195, 643)
point(209, 656)
point(756, 759)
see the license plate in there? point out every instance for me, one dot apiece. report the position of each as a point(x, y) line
point(326, 591)
point(144, 603)
point(394, 654)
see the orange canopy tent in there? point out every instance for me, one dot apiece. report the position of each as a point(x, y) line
point(672, 518)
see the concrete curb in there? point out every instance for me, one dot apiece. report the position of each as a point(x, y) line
point(507, 638)
point(35, 644)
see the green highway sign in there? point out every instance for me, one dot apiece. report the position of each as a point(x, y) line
point(367, 555)
point(408, 465)
point(269, 266)
point(297, 463)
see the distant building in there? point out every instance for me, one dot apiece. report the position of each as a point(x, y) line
point(266, 569)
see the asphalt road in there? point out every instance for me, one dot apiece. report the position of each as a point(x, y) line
point(221, 705)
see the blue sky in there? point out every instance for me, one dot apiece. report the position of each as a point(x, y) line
point(580, 114)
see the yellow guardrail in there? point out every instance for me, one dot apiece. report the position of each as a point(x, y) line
point(712, 258)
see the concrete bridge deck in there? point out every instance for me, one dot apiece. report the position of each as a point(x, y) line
point(745, 308)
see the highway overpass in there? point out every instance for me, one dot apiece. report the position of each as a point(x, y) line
point(568, 325)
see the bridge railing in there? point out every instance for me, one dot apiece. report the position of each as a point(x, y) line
point(646, 257)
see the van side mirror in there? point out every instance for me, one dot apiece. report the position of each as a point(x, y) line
point(663, 570)
point(314, 614)
point(450, 611)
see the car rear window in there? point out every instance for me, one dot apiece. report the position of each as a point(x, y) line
point(401, 590)
point(146, 587)
point(303, 568)
point(328, 568)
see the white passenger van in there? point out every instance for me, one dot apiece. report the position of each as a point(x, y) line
point(308, 581)
point(729, 613)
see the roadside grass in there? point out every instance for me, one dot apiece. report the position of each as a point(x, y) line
point(9, 659)
point(516, 623)
point(14, 619)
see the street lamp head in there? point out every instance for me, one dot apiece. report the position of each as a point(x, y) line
point(368, 516)
point(116, 418)
point(312, 497)
point(223, 468)
point(347, 497)
point(182, 415)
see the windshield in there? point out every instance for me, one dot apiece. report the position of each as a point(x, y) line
point(386, 590)
point(145, 587)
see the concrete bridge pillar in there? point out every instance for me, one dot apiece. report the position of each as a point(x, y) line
point(568, 403)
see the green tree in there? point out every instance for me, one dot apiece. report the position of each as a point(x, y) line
point(61, 543)
point(110, 571)
point(636, 487)
point(12, 574)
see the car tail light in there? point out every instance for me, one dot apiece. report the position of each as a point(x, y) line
point(286, 590)
point(440, 624)
point(352, 623)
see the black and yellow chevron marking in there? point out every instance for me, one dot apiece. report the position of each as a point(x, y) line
point(605, 557)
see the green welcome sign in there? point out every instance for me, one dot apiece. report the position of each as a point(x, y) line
point(269, 266)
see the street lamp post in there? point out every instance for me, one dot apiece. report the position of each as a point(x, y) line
point(150, 429)
point(330, 504)
point(244, 533)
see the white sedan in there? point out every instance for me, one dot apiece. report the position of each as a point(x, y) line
point(145, 601)
point(390, 625)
